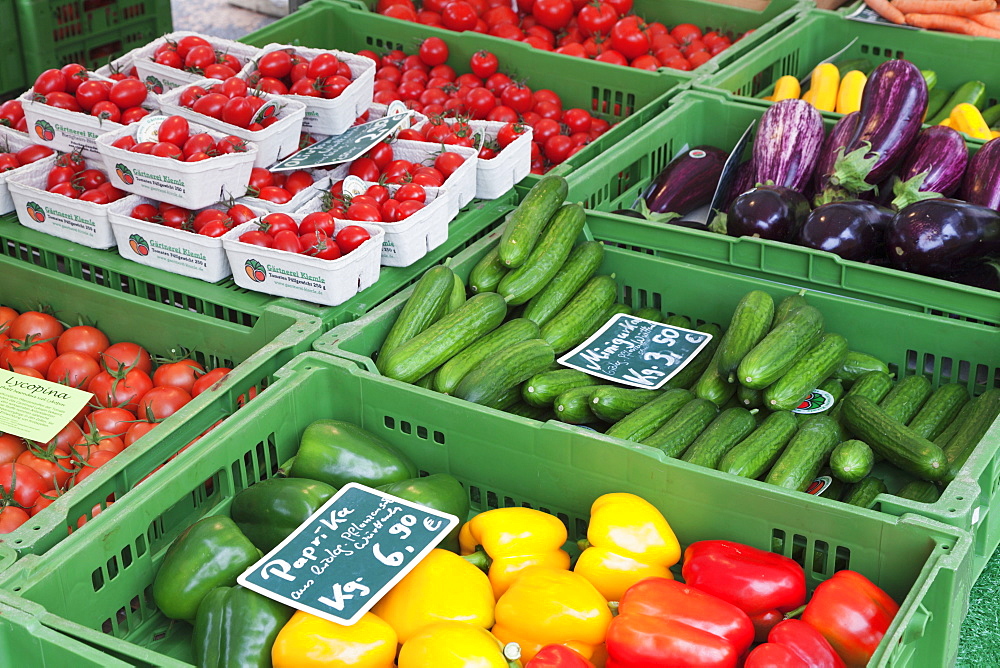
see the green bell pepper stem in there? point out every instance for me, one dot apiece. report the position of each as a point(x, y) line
point(271, 510)
point(479, 559)
point(439, 491)
point(338, 452)
point(236, 627)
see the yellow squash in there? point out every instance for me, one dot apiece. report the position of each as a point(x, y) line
point(825, 84)
point(786, 88)
point(967, 118)
point(851, 88)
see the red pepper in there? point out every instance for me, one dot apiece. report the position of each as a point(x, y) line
point(794, 644)
point(558, 656)
point(762, 584)
point(852, 613)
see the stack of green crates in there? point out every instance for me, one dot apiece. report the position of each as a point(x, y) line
point(12, 78)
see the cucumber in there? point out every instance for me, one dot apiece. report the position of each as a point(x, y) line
point(426, 305)
point(894, 441)
point(806, 373)
point(906, 398)
point(786, 306)
point(751, 322)
point(612, 403)
point(935, 101)
point(492, 378)
point(678, 432)
point(525, 225)
point(573, 406)
point(547, 258)
point(973, 92)
point(806, 453)
point(851, 460)
point(649, 313)
point(615, 309)
point(749, 398)
point(983, 412)
point(507, 399)
point(457, 296)
point(835, 489)
point(874, 385)
point(835, 387)
point(944, 438)
point(649, 417)
point(687, 376)
point(755, 454)
point(513, 331)
point(540, 413)
point(860, 64)
point(940, 410)
point(543, 388)
point(488, 272)
point(678, 320)
point(992, 115)
point(427, 382)
point(712, 386)
point(579, 267)
point(857, 364)
point(445, 338)
point(920, 491)
point(725, 431)
point(781, 348)
point(863, 494)
point(582, 315)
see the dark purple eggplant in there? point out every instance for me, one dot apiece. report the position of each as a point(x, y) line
point(940, 237)
point(934, 168)
point(982, 179)
point(744, 181)
point(768, 212)
point(841, 133)
point(631, 213)
point(688, 182)
point(787, 145)
point(985, 276)
point(854, 230)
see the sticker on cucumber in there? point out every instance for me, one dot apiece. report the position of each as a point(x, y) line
point(819, 485)
point(816, 401)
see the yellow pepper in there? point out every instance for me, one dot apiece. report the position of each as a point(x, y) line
point(308, 641)
point(456, 645)
point(547, 605)
point(515, 538)
point(443, 586)
point(629, 540)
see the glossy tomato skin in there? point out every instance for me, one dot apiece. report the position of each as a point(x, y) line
point(21, 482)
point(162, 402)
point(127, 354)
point(125, 392)
point(114, 421)
point(350, 237)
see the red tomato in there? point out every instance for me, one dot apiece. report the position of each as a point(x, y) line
point(208, 380)
point(90, 179)
point(613, 57)
point(49, 81)
point(364, 168)
point(699, 58)
point(685, 32)
point(137, 431)
point(115, 421)
point(74, 74)
point(433, 51)
point(73, 368)
point(162, 402)
point(12, 517)
point(274, 194)
point(278, 222)
point(238, 112)
point(11, 447)
point(185, 44)
point(623, 7)
point(518, 97)
point(63, 101)
point(352, 236)
point(107, 111)
point(298, 181)
point(53, 465)
point(176, 130)
point(484, 64)
point(66, 190)
point(646, 62)
point(33, 153)
point(364, 211)
point(127, 354)
point(45, 499)
point(678, 63)
point(240, 213)
point(199, 57)
point(59, 175)
point(128, 93)
point(320, 221)
point(119, 390)
point(97, 460)
point(629, 37)
point(96, 441)
point(596, 18)
point(411, 191)
point(20, 481)
point(458, 16)
point(219, 71)
point(169, 58)
point(231, 144)
point(133, 114)
point(320, 245)
point(165, 149)
point(89, 93)
point(84, 338)
point(287, 240)
point(257, 238)
point(211, 104)
point(34, 354)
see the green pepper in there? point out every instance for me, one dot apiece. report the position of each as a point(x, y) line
point(236, 627)
point(268, 512)
point(440, 492)
point(338, 452)
point(210, 553)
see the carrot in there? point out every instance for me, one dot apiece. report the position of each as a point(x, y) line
point(988, 19)
point(886, 10)
point(950, 7)
point(949, 23)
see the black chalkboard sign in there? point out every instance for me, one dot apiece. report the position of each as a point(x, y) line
point(353, 143)
point(636, 351)
point(352, 551)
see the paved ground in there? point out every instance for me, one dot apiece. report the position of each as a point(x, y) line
point(219, 18)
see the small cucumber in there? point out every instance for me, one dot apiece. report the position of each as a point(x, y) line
point(756, 454)
point(612, 403)
point(936, 100)
point(864, 493)
point(543, 388)
point(427, 382)
point(525, 225)
point(725, 431)
point(687, 376)
point(649, 313)
point(457, 296)
point(649, 417)
point(426, 304)
point(857, 364)
point(861, 64)
point(712, 386)
point(749, 398)
point(852, 460)
point(547, 258)
point(874, 385)
point(992, 115)
point(940, 410)
point(513, 331)
point(836, 389)
point(920, 491)
point(677, 320)
point(507, 399)
point(906, 398)
point(678, 432)
point(488, 272)
point(582, 315)
point(573, 406)
point(983, 412)
point(944, 438)
point(781, 348)
point(615, 309)
point(446, 337)
point(751, 322)
point(806, 373)
point(581, 265)
point(540, 413)
point(786, 306)
point(973, 92)
point(806, 453)
point(493, 378)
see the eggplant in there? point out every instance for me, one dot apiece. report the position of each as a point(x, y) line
point(941, 237)
point(688, 182)
point(854, 230)
point(768, 212)
point(631, 213)
point(787, 146)
point(934, 168)
point(841, 133)
point(982, 180)
point(985, 276)
point(743, 182)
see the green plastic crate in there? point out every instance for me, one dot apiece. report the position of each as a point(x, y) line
point(942, 349)
point(923, 564)
point(12, 63)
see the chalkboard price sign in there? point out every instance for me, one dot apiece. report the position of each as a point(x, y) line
point(636, 351)
point(352, 551)
point(353, 143)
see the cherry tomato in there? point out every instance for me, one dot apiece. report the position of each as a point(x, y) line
point(188, 42)
point(275, 64)
point(320, 245)
point(89, 93)
point(629, 38)
point(128, 93)
point(90, 179)
point(257, 238)
point(133, 114)
point(685, 32)
point(351, 236)
point(238, 112)
point(458, 16)
point(219, 71)
point(278, 222)
point(231, 144)
point(274, 194)
point(298, 181)
point(240, 213)
point(50, 81)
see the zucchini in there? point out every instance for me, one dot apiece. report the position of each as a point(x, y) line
point(582, 315)
point(649, 417)
point(973, 92)
point(806, 373)
point(615, 309)
point(426, 305)
point(493, 378)
point(678, 320)
point(725, 431)
point(649, 313)
point(513, 331)
point(905, 399)
point(712, 386)
point(487, 273)
point(806, 453)
point(940, 410)
point(543, 388)
point(573, 406)
point(983, 412)
point(525, 225)
point(864, 493)
point(851, 460)
point(547, 258)
point(755, 454)
point(786, 306)
point(749, 398)
point(751, 322)
point(678, 432)
point(781, 348)
point(687, 376)
point(581, 265)
point(894, 441)
point(457, 296)
point(611, 403)
point(920, 491)
point(445, 338)
point(526, 410)
point(857, 364)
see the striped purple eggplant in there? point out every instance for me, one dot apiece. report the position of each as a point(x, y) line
point(982, 179)
point(934, 168)
point(841, 133)
point(787, 145)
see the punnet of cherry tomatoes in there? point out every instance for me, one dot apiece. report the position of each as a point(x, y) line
point(183, 57)
point(16, 151)
point(72, 176)
point(607, 31)
point(283, 191)
point(314, 234)
point(74, 89)
point(174, 140)
point(212, 221)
